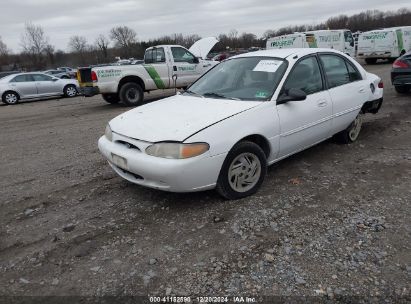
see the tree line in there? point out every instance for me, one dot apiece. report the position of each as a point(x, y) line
point(38, 53)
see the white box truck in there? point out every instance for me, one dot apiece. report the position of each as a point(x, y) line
point(341, 40)
point(388, 43)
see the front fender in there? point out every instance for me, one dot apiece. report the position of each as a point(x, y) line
point(261, 120)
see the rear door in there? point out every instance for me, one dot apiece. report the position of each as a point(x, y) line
point(347, 89)
point(47, 85)
point(24, 85)
point(305, 122)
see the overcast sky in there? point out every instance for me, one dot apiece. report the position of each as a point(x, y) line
point(64, 18)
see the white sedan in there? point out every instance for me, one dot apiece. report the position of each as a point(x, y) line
point(245, 114)
point(29, 86)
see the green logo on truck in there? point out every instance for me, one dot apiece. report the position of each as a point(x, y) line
point(155, 76)
point(282, 42)
point(108, 73)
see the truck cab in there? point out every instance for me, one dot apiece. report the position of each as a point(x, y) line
point(164, 67)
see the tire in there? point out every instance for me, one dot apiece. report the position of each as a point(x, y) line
point(70, 91)
point(111, 98)
point(131, 94)
point(351, 134)
point(370, 60)
point(10, 98)
point(233, 185)
point(402, 89)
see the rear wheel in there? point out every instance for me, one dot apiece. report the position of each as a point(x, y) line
point(243, 171)
point(351, 134)
point(370, 60)
point(10, 98)
point(131, 94)
point(402, 89)
point(111, 98)
point(70, 91)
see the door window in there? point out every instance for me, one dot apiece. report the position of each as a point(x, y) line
point(22, 78)
point(335, 70)
point(305, 76)
point(182, 55)
point(339, 71)
point(155, 55)
point(41, 77)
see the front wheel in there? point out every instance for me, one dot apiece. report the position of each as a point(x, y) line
point(351, 134)
point(70, 91)
point(131, 94)
point(10, 98)
point(243, 171)
point(111, 98)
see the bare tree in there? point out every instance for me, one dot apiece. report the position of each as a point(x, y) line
point(102, 44)
point(124, 38)
point(77, 44)
point(4, 51)
point(34, 43)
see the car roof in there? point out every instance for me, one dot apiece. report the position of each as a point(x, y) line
point(6, 78)
point(284, 53)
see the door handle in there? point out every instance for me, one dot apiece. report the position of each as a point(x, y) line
point(362, 90)
point(206, 65)
point(322, 103)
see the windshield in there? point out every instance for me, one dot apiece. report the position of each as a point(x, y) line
point(244, 78)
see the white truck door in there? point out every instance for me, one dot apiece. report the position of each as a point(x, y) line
point(158, 68)
point(348, 43)
point(304, 122)
point(185, 65)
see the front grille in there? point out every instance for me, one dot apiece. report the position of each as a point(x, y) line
point(136, 176)
point(127, 145)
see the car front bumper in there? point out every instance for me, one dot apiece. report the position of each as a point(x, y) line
point(174, 175)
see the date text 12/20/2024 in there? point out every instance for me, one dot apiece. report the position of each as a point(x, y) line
point(175, 299)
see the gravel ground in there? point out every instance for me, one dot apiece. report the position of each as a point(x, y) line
point(331, 222)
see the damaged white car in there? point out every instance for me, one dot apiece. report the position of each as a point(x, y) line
point(245, 114)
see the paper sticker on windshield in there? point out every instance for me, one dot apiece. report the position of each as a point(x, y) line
point(261, 94)
point(270, 66)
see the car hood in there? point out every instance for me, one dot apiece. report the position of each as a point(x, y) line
point(176, 118)
point(202, 47)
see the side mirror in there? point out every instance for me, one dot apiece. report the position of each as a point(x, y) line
point(196, 60)
point(54, 79)
point(291, 95)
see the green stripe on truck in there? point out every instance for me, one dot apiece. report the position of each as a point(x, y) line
point(155, 76)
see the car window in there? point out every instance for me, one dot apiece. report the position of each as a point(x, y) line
point(353, 72)
point(42, 77)
point(22, 78)
point(335, 70)
point(155, 55)
point(305, 76)
point(182, 55)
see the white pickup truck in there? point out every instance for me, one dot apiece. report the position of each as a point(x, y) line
point(164, 67)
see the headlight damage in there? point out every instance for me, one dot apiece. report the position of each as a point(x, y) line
point(177, 150)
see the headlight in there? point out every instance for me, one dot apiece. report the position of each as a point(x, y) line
point(108, 133)
point(177, 150)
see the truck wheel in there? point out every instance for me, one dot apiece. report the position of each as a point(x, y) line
point(402, 89)
point(111, 98)
point(131, 94)
point(370, 60)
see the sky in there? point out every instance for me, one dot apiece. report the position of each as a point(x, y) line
point(62, 19)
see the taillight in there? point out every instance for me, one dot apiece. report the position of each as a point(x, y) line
point(381, 84)
point(399, 64)
point(93, 76)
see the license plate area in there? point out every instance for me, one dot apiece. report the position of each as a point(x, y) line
point(119, 161)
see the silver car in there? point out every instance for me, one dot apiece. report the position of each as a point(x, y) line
point(24, 86)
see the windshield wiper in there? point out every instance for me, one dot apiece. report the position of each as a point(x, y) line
point(218, 95)
point(193, 93)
